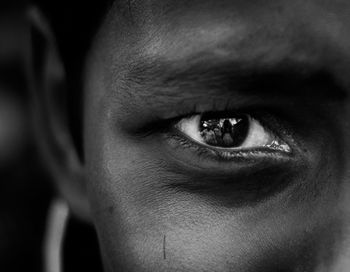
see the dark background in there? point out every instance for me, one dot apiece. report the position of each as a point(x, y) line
point(25, 190)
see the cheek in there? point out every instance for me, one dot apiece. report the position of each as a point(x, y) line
point(144, 226)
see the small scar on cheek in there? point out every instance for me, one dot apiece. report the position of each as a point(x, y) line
point(164, 246)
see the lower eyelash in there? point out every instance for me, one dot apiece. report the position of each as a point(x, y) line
point(234, 155)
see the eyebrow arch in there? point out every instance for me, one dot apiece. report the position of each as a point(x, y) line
point(285, 79)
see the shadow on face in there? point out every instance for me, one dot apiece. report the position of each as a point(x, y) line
point(163, 197)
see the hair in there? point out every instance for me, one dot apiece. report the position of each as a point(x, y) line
point(74, 25)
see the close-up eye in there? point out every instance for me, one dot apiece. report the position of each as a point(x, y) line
point(231, 133)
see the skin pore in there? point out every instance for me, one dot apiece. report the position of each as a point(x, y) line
point(161, 201)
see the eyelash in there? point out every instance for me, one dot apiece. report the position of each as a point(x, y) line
point(234, 155)
point(225, 156)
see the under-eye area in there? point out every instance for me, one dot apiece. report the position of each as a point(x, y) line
point(236, 158)
point(245, 186)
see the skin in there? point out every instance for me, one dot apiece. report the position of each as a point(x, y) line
point(160, 206)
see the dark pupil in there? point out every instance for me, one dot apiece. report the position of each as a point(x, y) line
point(224, 132)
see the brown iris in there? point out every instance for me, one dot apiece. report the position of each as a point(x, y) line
point(224, 132)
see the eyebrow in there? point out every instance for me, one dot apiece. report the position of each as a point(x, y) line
point(203, 75)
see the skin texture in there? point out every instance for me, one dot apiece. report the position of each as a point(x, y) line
point(161, 206)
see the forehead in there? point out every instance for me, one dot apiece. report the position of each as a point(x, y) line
point(174, 30)
point(207, 21)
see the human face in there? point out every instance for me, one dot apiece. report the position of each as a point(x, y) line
point(165, 200)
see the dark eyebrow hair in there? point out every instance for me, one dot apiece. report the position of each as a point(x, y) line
point(283, 79)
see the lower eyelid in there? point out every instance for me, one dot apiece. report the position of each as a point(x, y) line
point(222, 156)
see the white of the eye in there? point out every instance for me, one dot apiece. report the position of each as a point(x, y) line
point(257, 135)
point(190, 127)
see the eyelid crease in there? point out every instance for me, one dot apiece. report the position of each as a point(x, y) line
point(161, 124)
